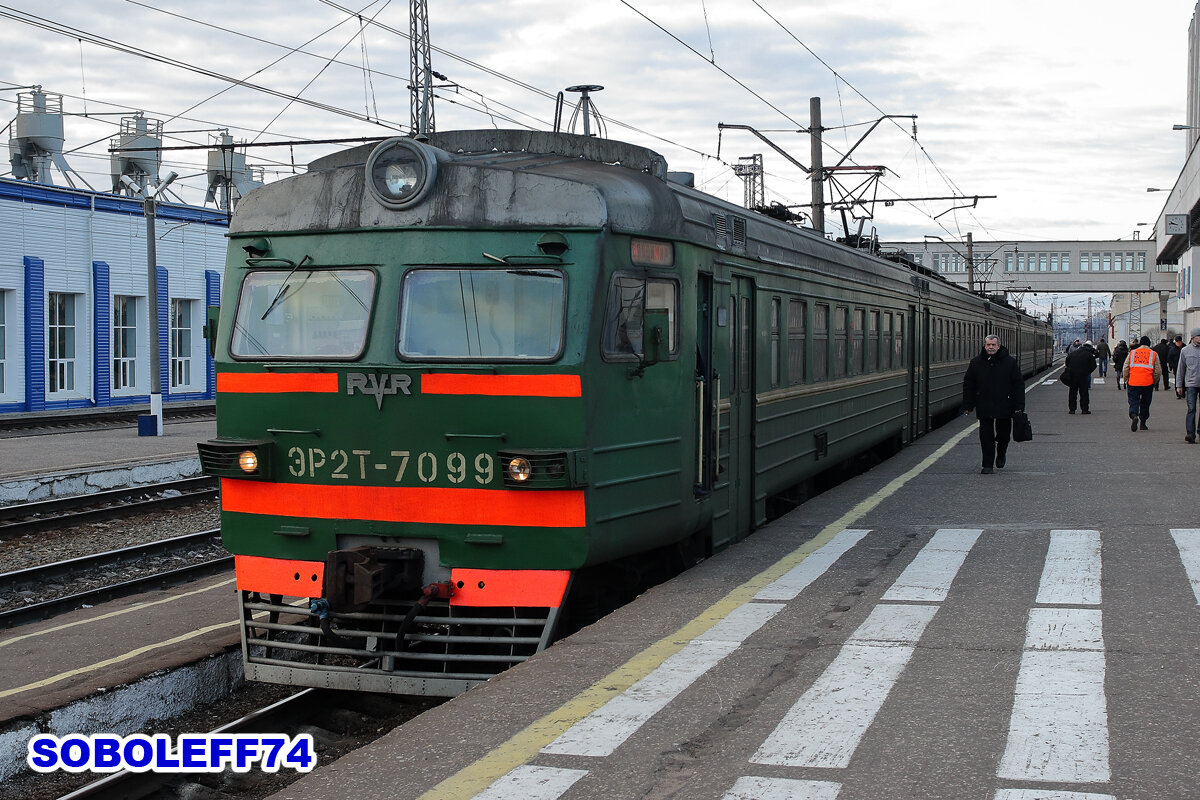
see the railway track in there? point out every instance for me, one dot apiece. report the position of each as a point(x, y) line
point(63, 572)
point(339, 722)
point(23, 518)
point(12, 425)
point(59, 572)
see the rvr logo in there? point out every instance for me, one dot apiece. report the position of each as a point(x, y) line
point(377, 385)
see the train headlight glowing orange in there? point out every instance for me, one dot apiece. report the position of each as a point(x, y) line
point(519, 469)
point(248, 461)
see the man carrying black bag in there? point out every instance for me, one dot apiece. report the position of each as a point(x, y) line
point(994, 390)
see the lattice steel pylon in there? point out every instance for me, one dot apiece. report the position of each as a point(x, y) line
point(750, 170)
point(420, 68)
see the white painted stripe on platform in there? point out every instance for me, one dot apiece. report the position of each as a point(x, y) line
point(606, 728)
point(1042, 794)
point(1071, 575)
point(929, 575)
point(754, 788)
point(1059, 727)
point(825, 725)
point(1064, 629)
point(811, 568)
point(528, 782)
point(1188, 542)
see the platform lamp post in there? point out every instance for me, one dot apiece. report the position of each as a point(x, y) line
point(149, 195)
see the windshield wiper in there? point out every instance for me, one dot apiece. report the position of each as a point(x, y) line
point(284, 287)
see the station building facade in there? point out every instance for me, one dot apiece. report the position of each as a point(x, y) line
point(74, 310)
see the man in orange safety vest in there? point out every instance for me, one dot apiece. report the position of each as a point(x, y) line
point(1141, 373)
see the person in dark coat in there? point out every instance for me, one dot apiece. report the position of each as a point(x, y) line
point(1120, 353)
point(1161, 349)
point(1102, 356)
point(994, 390)
point(1080, 366)
point(1172, 362)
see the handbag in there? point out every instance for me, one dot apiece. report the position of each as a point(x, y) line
point(1065, 377)
point(1022, 430)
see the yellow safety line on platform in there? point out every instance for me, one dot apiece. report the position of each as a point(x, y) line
point(62, 676)
point(111, 614)
point(524, 746)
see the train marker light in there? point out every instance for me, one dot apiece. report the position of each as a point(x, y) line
point(248, 461)
point(519, 469)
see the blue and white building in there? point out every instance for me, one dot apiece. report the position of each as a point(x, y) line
point(74, 310)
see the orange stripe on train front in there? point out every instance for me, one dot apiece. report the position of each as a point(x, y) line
point(277, 382)
point(555, 508)
point(534, 588)
point(503, 385)
point(279, 576)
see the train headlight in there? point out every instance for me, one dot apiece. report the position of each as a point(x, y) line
point(248, 461)
point(401, 171)
point(519, 469)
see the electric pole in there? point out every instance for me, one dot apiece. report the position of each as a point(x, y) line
point(420, 68)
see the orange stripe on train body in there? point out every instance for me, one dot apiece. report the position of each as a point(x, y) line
point(279, 576)
point(553, 508)
point(277, 382)
point(534, 588)
point(502, 385)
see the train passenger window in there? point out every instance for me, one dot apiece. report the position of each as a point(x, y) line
point(873, 341)
point(898, 342)
point(840, 335)
point(304, 313)
point(885, 343)
point(797, 316)
point(776, 367)
point(629, 298)
point(482, 314)
point(820, 342)
point(857, 325)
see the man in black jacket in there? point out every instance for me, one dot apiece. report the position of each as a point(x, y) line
point(1080, 366)
point(994, 390)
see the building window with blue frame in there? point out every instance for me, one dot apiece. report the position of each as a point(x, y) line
point(181, 343)
point(60, 342)
point(124, 342)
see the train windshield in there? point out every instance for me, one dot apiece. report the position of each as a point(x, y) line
point(493, 314)
point(305, 313)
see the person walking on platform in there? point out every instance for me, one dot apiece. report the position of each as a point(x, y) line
point(1161, 350)
point(994, 389)
point(1187, 383)
point(1080, 365)
point(1141, 372)
point(1172, 363)
point(1102, 356)
point(1120, 352)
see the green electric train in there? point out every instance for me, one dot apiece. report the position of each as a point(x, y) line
point(471, 385)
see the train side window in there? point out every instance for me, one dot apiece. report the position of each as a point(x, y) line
point(898, 342)
point(840, 336)
point(873, 341)
point(629, 298)
point(885, 343)
point(858, 323)
point(820, 342)
point(776, 366)
point(797, 340)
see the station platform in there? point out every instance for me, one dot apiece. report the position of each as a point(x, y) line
point(920, 631)
point(42, 465)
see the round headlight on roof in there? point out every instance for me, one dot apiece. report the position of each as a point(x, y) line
point(400, 172)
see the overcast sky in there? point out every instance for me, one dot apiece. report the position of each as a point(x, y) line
point(1063, 110)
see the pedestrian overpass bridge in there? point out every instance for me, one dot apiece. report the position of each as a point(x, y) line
point(1012, 267)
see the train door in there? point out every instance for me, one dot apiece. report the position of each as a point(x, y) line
point(737, 459)
point(918, 370)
